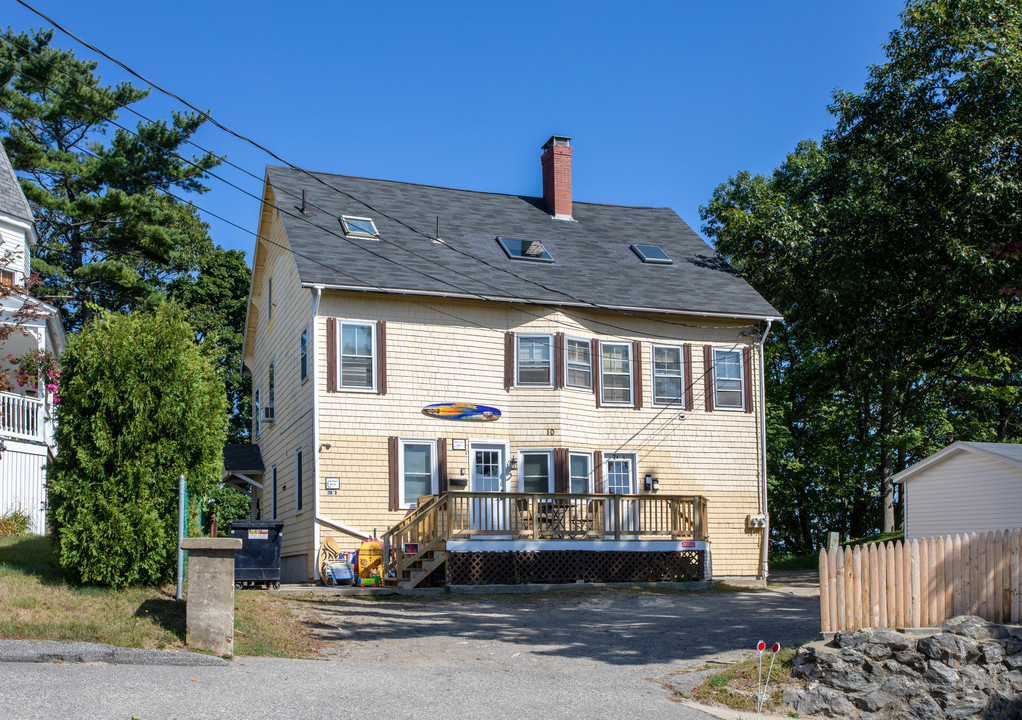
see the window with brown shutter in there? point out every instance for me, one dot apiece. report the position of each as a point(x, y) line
point(559, 360)
point(708, 376)
point(509, 360)
point(747, 376)
point(598, 471)
point(687, 352)
point(441, 465)
point(381, 357)
point(637, 374)
point(331, 354)
point(596, 370)
point(561, 476)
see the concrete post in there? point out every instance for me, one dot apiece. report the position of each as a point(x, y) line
point(210, 602)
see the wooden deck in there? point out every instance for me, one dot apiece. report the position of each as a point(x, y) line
point(417, 546)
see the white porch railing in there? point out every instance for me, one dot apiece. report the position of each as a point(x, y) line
point(22, 417)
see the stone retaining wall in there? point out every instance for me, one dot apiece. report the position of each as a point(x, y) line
point(969, 668)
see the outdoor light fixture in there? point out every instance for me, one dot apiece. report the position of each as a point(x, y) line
point(651, 484)
point(513, 464)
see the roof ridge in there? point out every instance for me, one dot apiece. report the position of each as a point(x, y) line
point(464, 190)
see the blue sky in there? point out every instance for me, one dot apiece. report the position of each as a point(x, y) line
point(664, 100)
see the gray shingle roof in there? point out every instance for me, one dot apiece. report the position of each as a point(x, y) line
point(12, 199)
point(593, 261)
point(243, 459)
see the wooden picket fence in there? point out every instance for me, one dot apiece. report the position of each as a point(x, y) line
point(921, 583)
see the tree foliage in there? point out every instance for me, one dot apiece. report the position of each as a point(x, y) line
point(887, 246)
point(110, 235)
point(142, 404)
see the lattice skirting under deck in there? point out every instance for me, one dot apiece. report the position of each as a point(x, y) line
point(566, 566)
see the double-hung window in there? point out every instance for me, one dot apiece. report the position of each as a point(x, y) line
point(580, 472)
point(616, 373)
point(728, 390)
point(256, 409)
point(303, 355)
point(417, 471)
point(578, 363)
point(668, 375)
point(357, 356)
point(536, 474)
point(268, 411)
point(535, 361)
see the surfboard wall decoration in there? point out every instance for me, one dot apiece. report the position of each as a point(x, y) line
point(462, 411)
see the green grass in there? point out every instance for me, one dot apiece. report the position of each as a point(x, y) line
point(38, 602)
point(736, 688)
point(811, 561)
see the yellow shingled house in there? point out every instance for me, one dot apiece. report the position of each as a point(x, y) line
point(501, 388)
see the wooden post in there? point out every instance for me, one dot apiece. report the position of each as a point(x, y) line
point(892, 587)
point(832, 562)
point(915, 604)
point(994, 577)
point(961, 579)
point(857, 587)
point(1015, 544)
point(924, 581)
point(824, 593)
point(882, 585)
point(837, 571)
point(949, 575)
point(899, 584)
point(617, 517)
point(849, 591)
point(939, 614)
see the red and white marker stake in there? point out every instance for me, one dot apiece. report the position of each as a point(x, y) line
point(761, 695)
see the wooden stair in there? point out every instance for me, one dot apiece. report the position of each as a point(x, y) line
point(419, 570)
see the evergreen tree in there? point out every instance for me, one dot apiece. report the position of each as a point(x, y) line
point(141, 404)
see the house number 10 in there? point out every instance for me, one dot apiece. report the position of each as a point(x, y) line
point(551, 431)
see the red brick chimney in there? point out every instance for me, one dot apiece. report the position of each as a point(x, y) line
point(557, 176)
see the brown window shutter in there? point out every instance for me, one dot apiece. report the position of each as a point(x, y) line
point(561, 483)
point(597, 367)
point(559, 360)
point(381, 357)
point(441, 465)
point(509, 360)
point(687, 359)
point(708, 376)
point(395, 497)
point(331, 354)
point(747, 379)
point(637, 375)
point(598, 472)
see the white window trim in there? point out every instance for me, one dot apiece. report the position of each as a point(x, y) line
point(589, 479)
point(256, 411)
point(408, 503)
point(551, 470)
point(303, 336)
point(631, 376)
point(373, 362)
point(299, 482)
point(473, 445)
point(348, 232)
point(741, 379)
point(680, 401)
point(609, 455)
point(269, 409)
point(553, 355)
point(587, 341)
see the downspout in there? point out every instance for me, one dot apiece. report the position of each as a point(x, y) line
point(317, 294)
point(765, 550)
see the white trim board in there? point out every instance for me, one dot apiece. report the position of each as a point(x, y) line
point(594, 545)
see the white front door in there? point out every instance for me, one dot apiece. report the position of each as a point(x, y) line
point(490, 474)
point(619, 470)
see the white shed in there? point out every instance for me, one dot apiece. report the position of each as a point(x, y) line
point(966, 487)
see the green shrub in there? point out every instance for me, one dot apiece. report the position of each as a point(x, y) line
point(141, 404)
point(15, 522)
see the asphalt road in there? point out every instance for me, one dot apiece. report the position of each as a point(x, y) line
point(565, 655)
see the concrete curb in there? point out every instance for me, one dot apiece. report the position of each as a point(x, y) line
point(44, 651)
point(727, 713)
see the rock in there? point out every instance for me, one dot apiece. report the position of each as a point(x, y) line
point(896, 668)
point(993, 653)
point(845, 678)
point(1013, 661)
point(850, 640)
point(896, 641)
point(876, 651)
point(851, 656)
point(974, 627)
point(874, 670)
point(1004, 708)
point(925, 708)
point(964, 706)
point(903, 687)
point(1014, 679)
point(874, 700)
point(825, 700)
point(974, 677)
point(949, 649)
point(1013, 645)
point(910, 658)
point(938, 672)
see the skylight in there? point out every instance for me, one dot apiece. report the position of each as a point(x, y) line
point(651, 254)
point(359, 227)
point(525, 249)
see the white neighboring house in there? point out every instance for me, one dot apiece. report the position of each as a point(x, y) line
point(26, 425)
point(968, 487)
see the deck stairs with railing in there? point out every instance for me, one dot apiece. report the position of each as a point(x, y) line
point(417, 547)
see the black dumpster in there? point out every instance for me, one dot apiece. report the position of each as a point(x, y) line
point(258, 561)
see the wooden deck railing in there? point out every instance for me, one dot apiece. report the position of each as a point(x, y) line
point(21, 417)
point(541, 517)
